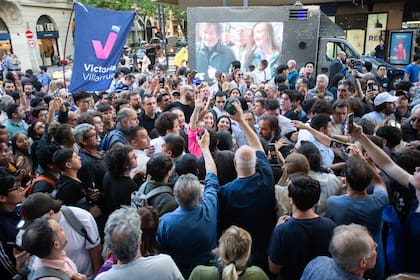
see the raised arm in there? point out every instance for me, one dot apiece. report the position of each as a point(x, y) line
point(381, 159)
point(321, 137)
point(199, 106)
point(204, 142)
point(249, 133)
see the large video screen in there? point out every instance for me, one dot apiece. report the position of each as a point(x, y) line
point(218, 44)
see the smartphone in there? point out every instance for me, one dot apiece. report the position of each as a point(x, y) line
point(162, 82)
point(14, 245)
point(271, 147)
point(338, 145)
point(350, 119)
point(273, 154)
point(370, 86)
point(229, 107)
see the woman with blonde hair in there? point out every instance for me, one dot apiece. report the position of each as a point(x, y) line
point(235, 250)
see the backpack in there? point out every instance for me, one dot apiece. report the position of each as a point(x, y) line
point(26, 273)
point(112, 137)
point(47, 272)
point(75, 223)
point(140, 198)
point(39, 178)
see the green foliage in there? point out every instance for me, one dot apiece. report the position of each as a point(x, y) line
point(118, 5)
point(143, 7)
point(178, 14)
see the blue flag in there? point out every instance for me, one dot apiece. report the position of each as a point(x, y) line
point(99, 41)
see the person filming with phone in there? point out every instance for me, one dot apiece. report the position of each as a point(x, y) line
point(252, 189)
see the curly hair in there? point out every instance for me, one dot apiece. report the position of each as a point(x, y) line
point(117, 160)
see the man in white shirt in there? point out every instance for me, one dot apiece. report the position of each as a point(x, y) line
point(140, 142)
point(46, 239)
point(85, 252)
point(261, 74)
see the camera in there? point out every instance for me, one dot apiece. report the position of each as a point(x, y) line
point(162, 82)
point(354, 63)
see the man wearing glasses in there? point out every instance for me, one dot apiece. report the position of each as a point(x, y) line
point(11, 194)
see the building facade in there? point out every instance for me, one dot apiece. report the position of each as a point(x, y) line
point(36, 31)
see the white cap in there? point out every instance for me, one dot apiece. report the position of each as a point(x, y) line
point(384, 97)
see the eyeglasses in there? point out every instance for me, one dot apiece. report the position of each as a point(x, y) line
point(415, 120)
point(90, 136)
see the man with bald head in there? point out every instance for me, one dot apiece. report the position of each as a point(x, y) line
point(249, 201)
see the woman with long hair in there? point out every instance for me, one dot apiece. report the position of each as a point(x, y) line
point(264, 46)
point(20, 147)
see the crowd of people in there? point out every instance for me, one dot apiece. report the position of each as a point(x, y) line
point(252, 175)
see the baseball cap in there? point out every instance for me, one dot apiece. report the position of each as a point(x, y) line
point(196, 81)
point(37, 204)
point(383, 98)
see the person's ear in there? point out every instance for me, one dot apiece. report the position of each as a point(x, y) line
point(56, 244)
point(68, 164)
point(51, 213)
point(363, 263)
point(83, 141)
point(3, 198)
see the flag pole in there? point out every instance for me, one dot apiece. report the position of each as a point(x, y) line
point(65, 46)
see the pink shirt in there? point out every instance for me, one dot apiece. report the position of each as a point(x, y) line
point(64, 264)
point(193, 146)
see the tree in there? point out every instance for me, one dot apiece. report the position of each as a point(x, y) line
point(143, 8)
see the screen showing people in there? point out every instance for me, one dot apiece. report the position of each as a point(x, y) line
point(401, 47)
point(218, 44)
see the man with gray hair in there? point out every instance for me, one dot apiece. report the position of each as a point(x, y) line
point(126, 118)
point(93, 166)
point(123, 238)
point(321, 91)
point(353, 252)
point(189, 233)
